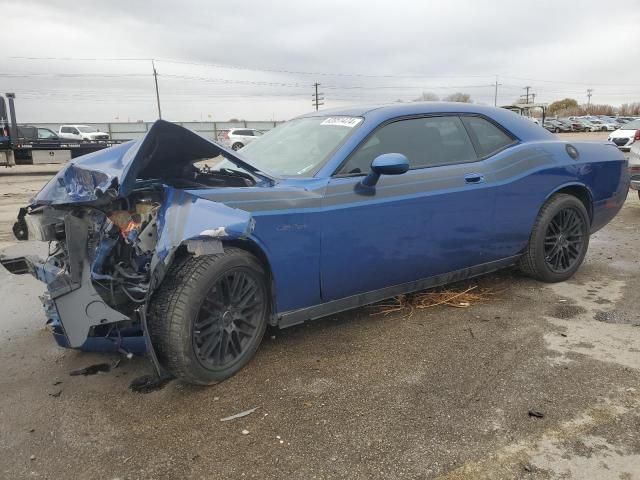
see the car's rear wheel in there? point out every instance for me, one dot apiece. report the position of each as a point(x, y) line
point(557, 130)
point(237, 146)
point(559, 240)
point(209, 315)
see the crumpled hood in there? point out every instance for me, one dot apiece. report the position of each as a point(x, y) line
point(164, 151)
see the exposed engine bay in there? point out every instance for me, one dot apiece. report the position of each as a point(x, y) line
point(99, 263)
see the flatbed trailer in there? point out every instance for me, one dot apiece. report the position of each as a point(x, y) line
point(19, 151)
point(37, 152)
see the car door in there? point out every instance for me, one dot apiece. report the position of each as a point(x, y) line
point(435, 218)
point(516, 197)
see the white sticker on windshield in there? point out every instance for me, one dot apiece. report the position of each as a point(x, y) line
point(342, 121)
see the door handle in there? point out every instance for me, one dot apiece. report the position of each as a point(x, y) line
point(473, 178)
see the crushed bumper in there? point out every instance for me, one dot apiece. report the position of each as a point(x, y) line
point(64, 299)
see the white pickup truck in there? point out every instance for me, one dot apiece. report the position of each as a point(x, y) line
point(82, 133)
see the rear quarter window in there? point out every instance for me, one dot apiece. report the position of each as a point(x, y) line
point(488, 138)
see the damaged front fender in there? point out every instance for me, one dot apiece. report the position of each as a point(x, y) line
point(198, 224)
point(185, 216)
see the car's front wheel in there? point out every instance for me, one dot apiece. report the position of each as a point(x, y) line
point(209, 315)
point(559, 240)
point(237, 146)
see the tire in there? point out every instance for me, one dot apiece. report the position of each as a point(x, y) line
point(639, 194)
point(557, 130)
point(236, 146)
point(209, 315)
point(604, 129)
point(559, 240)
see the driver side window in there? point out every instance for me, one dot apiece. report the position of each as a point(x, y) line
point(426, 142)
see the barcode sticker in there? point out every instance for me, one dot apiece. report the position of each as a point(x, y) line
point(342, 121)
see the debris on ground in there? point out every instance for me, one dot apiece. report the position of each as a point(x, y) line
point(56, 394)
point(536, 414)
point(148, 383)
point(91, 369)
point(239, 415)
point(57, 382)
point(408, 304)
point(245, 432)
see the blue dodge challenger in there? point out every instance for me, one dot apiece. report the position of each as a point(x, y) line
point(176, 246)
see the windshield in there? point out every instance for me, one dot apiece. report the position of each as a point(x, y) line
point(300, 146)
point(87, 129)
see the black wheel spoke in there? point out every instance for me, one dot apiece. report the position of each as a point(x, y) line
point(212, 342)
point(244, 327)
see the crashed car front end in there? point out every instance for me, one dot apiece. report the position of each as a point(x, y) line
point(114, 222)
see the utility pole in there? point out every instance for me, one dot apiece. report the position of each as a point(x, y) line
point(155, 77)
point(589, 91)
point(527, 88)
point(317, 98)
point(495, 95)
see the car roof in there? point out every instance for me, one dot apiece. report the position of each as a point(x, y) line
point(517, 124)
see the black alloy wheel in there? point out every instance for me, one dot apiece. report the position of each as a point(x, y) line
point(559, 239)
point(229, 319)
point(208, 317)
point(563, 242)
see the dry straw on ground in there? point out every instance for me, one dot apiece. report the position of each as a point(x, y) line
point(406, 305)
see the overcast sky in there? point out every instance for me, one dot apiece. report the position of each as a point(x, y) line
point(258, 59)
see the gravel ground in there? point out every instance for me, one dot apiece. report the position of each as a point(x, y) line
point(443, 393)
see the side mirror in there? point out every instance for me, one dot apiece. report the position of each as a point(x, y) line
point(386, 164)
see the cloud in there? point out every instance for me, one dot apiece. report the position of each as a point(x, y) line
point(399, 49)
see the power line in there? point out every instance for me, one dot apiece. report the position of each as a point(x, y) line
point(301, 72)
point(73, 75)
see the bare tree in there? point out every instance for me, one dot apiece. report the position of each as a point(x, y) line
point(459, 97)
point(427, 97)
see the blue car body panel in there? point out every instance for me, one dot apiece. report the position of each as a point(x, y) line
point(329, 246)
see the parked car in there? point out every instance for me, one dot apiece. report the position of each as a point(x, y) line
point(31, 133)
point(236, 138)
point(624, 120)
point(327, 212)
point(599, 125)
point(611, 123)
point(587, 125)
point(81, 132)
point(625, 137)
point(634, 166)
point(576, 125)
point(556, 126)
